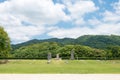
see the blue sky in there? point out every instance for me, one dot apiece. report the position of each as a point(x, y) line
point(42, 19)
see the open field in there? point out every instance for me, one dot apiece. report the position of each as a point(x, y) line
point(61, 66)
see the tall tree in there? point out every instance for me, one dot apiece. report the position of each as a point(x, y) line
point(4, 43)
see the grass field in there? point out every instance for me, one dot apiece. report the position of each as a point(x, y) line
point(61, 66)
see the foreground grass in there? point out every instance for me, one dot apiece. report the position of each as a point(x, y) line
point(61, 66)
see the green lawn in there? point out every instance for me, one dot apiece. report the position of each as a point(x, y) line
point(61, 66)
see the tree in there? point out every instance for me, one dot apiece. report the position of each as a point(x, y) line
point(4, 44)
point(115, 50)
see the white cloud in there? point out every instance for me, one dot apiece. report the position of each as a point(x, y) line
point(108, 25)
point(117, 7)
point(23, 33)
point(80, 21)
point(94, 22)
point(36, 12)
point(108, 28)
point(111, 17)
point(44, 14)
point(71, 33)
point(101, 29)
point(9, 20)
point(78, 9)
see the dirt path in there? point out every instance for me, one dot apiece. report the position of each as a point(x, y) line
point(59, 76)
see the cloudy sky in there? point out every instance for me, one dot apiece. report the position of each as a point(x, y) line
point(42, 19)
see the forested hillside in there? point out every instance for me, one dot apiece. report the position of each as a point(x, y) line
point(34, 41)
point(88, 46)
point(41, 50)
point(99, 41)
point(95, 41)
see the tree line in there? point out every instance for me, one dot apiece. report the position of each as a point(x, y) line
point(40, 50)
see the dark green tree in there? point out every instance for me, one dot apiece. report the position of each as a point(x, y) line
point(115, 50)
point(4, 44)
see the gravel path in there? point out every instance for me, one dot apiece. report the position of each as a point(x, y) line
point(59, 76)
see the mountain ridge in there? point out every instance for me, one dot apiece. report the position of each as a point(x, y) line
point(95, 41)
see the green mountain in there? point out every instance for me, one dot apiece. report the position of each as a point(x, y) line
point(35, 41)
point(99, 41)
point(95, 41)
point(86, 47)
